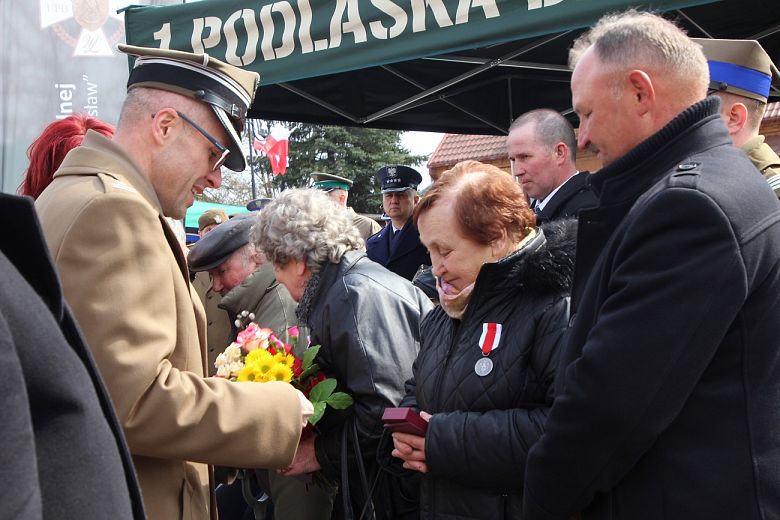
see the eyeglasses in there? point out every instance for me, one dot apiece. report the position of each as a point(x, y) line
point(224, 152)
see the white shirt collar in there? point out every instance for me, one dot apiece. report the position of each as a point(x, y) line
point(543, 203)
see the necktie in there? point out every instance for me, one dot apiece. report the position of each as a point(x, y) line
point(537, 207)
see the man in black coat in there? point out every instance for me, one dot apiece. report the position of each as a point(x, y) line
point(397, 246)
point(668, 408)
point(542, 150)
point(63, 451)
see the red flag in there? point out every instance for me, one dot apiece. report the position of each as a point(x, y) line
point(275, 146)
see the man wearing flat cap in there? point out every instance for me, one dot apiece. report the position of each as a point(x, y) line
point(243, 278)
point(398, 246)
point(741, 74)
point(127, 280)
point(337, 189)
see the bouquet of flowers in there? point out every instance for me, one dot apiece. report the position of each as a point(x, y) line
point(258, 356)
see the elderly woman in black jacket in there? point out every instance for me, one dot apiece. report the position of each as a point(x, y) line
point(484, 375)
point(365, 317)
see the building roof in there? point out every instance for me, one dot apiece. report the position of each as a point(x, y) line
point(772, 112)
point(454, 148)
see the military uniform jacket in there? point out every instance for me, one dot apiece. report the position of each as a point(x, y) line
point(63, 452)
point(126, 278)
point(570, 198)
point(365, 226)
point(669, 408)
point(403, 254)
point(765, 159)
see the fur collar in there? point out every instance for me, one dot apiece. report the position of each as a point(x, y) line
point(544, 266)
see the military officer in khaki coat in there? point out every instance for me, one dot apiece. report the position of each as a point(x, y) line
point(126, 278)
point(337, 189)
point(741, 74)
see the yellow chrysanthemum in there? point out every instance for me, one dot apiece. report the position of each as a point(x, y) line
point(261, 356)
point(280, 372)
point(251, 374)
point(284, 358)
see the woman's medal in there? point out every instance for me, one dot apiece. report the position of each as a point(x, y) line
point(483, 367)
point(488, 342)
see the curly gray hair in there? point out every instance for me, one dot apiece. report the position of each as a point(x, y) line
point(304, 224)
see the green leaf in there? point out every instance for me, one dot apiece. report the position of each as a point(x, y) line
point(309, 355)
point(322, 390)
point(319, 411)
point(340, 400)
point(309, 371)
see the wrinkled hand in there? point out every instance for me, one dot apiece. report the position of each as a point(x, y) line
point(411, 448)
point(306, 409)
point(305, 460)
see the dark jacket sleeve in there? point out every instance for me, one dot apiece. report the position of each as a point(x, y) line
point(495, 444)
point(643, 355)
point(374, 340)
point(20, 492)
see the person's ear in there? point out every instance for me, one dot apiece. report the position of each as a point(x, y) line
point(641, 90)
point(300, 267)
point(498, 247)
point(561, 153)
point(258, 258)
point(164, 123)
point(736, 117)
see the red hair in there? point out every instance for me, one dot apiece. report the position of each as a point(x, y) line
point(487, 202)
point(49, 149)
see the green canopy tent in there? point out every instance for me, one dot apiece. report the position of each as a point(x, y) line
point(462, 66)
point(194, 212)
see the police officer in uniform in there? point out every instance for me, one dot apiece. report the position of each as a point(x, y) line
point(337, 189)
point(741, 74)
point(397, 246)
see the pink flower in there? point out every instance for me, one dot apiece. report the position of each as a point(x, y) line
point(253, 337)
point(248, 333)
point(293, 332)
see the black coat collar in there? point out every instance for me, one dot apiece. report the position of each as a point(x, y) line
point(573, 185)
point(631, 175)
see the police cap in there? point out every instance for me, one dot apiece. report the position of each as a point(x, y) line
point(398, 178)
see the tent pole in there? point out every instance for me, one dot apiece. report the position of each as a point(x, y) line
point(505, 64)
point(466, 75)
point(250, 135)
point(444, 99)
point(320, 102)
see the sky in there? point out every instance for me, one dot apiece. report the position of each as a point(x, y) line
point(421, 143)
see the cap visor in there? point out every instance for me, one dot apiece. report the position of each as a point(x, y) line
point(236, 160)
point(209, 265)
point(392, 190)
